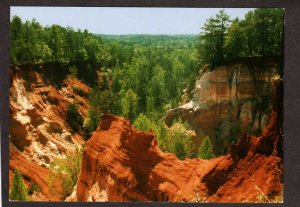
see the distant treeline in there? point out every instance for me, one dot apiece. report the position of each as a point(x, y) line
point(260, 33)
point(175, 41)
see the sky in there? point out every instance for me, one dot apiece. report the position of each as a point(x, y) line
point(125, 20)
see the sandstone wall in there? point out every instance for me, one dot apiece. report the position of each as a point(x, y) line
point(230, 101)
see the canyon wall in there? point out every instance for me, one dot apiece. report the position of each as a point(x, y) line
point(230, 101)
point(39, 131)
point(121, 163)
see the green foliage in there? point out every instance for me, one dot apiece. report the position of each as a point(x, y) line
point(32, 43)
point(129, 105)
point(104, 98)
point(179, 140)
point(33, 187)
point(143, 123)
point(211, 49)
point(18, 190)
point(92, 121)
point(65, 170)
point(176, 139)
point(101, 102)
point(73, 117)
point(259, 34)
point(206, 149)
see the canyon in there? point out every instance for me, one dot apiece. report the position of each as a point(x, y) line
point(121, 163)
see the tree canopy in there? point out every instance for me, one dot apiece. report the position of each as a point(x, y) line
point(223, 39)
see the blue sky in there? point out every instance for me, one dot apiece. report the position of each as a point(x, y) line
point(126, 20)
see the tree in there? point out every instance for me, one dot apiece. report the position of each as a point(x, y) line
point(157, 87)
point(259, 34)
point(211, 47)
point(233, 41)
point(207, 44)
point(222, 20)
point(143, 123)
point(56, 42)
point(17, 42)
point(129, 105)
point(101, 102)
point(179, 140)
point(18, 190)
point(206, 149)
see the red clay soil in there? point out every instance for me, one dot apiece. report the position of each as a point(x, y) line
point(127, 165)
point(49, 106)
point(33, 172)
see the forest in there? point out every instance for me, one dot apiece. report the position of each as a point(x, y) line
point(141, 77)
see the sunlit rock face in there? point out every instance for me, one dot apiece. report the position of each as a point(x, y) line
point(38, 129)
point(230, 101)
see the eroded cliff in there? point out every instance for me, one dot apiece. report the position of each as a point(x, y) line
point(230, 101)
point(39, 131)
point(121, 163)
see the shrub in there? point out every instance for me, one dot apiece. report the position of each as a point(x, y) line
point(143, 123)
point(73, 117)
point(18, 191)
point(34, 188)
point(91, 122)
point(67, 171)
point(179, 140)
point(206, 149)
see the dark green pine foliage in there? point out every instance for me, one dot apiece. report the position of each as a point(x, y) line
point(206, 149)
point(129, 105)
point(223, 40)
point(18, 190)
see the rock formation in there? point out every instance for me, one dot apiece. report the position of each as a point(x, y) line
point(121, 163)
point(230, 101)
point(39, 131)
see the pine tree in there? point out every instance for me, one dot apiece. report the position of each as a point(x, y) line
point(143, 123)
point(129, 105)
point(205, 150)
point(18, 191)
